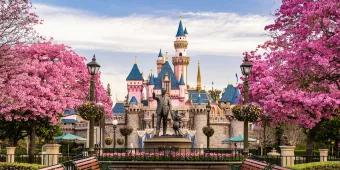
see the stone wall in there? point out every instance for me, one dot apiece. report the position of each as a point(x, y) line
point(221, 132)
point(133, 121)
point(200, 121)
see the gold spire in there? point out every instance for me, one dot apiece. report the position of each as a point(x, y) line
point(199, 79)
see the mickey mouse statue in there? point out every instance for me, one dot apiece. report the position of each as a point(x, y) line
point(176, 123)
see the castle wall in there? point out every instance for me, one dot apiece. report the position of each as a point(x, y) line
point(200, 122)
point(109, 133)
point(237, 128)
point(133, 121)
point(221, 132)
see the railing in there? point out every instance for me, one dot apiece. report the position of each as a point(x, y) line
point(43, 159)
point(168, 154)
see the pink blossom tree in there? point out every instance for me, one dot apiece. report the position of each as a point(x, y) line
point(17, 19)
point(40, 81)
point(295, 75)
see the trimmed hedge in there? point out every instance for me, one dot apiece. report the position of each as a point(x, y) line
point(331, 165)
point(19, 166)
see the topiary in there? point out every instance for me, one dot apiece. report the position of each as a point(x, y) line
point(120, 141)
point(90, 110)
point(108, 141)
point(126, 130)
point(246, 112)
point(208, 131)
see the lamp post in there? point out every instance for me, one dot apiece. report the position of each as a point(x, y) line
point(114, 123)
point(93, 68)
point(245, 69)
point(208, 122)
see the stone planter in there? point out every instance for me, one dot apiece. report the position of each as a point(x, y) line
point(273, 153)
point(323, 155)
point(10, 154)
point(51, 154)
point(287, 155)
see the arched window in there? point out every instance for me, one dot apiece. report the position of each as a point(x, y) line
point(180, 54)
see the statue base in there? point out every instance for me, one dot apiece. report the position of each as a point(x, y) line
point(168, 142)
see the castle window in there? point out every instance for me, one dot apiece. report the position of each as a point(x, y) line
point(180, 54)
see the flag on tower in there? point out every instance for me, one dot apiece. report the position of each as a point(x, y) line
point(236, 78)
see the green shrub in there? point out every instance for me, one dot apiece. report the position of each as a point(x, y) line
point(21, 166)
point(332, 165)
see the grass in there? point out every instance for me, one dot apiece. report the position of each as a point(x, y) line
point(21, 166)
point(331, 165)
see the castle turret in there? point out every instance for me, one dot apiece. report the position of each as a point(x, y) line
point(160, 61)
point(133, 112)
point(166, 83)
point(151, 86)
point(181, 59)
point(200, 113)
point(182, 89)
point(135, 84)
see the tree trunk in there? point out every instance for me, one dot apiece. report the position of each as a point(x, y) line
point(309, 147)
point(32, 144)
point(337, 152)
point(278, 135)
point(264, 139)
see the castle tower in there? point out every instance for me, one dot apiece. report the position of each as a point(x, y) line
point(167, 84)
point(150, 87)
point(199, 112)
point(160, 61)
point(199, 79)
point(181, 59)
point(135, 82)
point(133, 112)
point(182, 88)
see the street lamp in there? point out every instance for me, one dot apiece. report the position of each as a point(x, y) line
point(208, 107)
point(208, 110)
point(245, 69)
point(114, 123)
point(93, 68)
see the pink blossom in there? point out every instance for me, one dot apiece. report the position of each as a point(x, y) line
point(44, 79)
point(296, 78)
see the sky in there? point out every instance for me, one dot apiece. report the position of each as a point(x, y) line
point(122, 32)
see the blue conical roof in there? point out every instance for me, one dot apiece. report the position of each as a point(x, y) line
point(185, 31)
point(180, 30)
point(151, 80)
point(133, 100)
point(231, 94)
point(135, 74)
point(181, 81)
point(160, 54)
point(166, 69)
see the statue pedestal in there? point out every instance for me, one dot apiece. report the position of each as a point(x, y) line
point(160, 143)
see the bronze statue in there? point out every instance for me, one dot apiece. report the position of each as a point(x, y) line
point(162, 111)
point(177, 123)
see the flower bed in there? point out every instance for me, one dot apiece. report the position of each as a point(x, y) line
point(168, 156)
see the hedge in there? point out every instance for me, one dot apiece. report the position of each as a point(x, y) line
point(19, 166)
point(331, 165)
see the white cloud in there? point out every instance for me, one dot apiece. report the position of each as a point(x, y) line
point(226, 34)
point(210, 34)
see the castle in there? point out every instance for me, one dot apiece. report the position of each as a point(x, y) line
point(138, 109)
